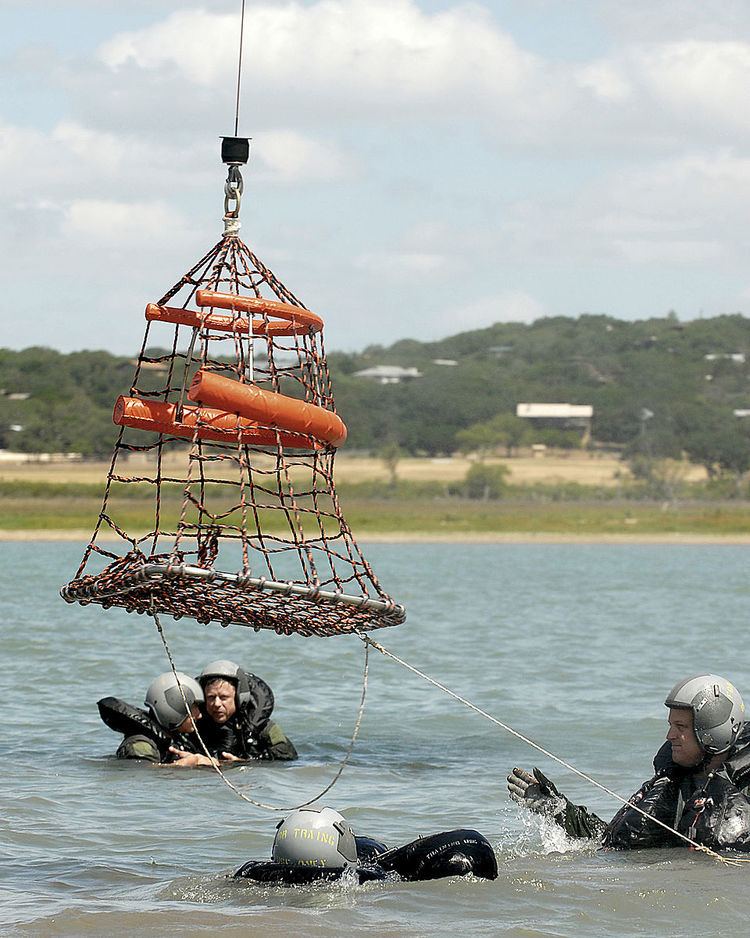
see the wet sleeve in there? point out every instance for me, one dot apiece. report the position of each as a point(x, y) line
point(578, 822)
point(575, 819)
point(630, 829)
point(139, 747)
point(274, 744)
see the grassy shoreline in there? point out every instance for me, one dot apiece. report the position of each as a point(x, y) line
point(399, 537)
point(57, 512)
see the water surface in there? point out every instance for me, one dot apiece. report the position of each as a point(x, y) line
point(574, 645)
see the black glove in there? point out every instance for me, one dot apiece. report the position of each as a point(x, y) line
point(535, 792)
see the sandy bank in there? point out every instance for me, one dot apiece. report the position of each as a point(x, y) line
point(427, 537)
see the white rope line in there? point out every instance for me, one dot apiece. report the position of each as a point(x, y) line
point(217, 767)
point(530, 742)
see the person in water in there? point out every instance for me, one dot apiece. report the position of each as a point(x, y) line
point(165, 727)
point(315, 844)
point(701, 786)
point(236, 724)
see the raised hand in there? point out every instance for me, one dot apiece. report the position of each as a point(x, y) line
point(535, 792)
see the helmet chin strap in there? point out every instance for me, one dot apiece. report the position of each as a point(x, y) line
point(718, 758)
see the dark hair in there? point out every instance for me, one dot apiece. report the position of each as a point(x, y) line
point(215, 678)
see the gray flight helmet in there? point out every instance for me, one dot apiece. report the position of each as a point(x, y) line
point(164, 700)
point(717, 707)
point(317, 837)
point(227, 671)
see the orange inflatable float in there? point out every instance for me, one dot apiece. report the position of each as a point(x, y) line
point(302, 318)
point(207, 424)
point(267, 408)
point(221, 323)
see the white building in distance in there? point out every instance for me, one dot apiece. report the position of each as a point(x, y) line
point(555, 411)
point(569, 415)
point(388, 374)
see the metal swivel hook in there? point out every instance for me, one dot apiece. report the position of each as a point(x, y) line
point(235, 152)
point(233, 189)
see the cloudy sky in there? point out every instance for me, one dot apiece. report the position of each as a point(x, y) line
point(419, 167)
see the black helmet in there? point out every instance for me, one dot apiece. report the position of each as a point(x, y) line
point(317, 837)
point(227, 671)
point(164, 700)
point(718, 710)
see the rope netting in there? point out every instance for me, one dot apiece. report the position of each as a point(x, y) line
point(230, 431)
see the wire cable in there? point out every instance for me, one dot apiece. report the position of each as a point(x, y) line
point(239, 72)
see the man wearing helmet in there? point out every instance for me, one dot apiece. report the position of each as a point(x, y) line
point(314, 844)
point(701, 788)
point(236, 724)
point(165, 728)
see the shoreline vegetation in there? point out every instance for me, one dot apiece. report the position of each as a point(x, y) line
point(557, 498)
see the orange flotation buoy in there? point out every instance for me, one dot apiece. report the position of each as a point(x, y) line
point(298, 315)
point(221, 323)
point(267, 407)
point(215, 425)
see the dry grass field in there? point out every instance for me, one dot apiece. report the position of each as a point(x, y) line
point(64, 499)
point(584, 468)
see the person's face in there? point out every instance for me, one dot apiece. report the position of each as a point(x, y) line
point(220, 701)
point(187, 724)
point(686, 750)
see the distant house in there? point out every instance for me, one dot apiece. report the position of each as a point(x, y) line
point(388, 374)
point(497, 351)
point(9, 456)
point(736, 357)
point(149, 366)
point(567, 415)
point(741, 413)
point(444, 361)
point(555, 411)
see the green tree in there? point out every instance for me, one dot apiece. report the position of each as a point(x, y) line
point(390, 454)
point(486, 482)
point(503, 430)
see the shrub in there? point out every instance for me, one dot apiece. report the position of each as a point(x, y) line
point(486, 482)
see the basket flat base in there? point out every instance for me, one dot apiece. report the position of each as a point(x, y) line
point(144, 586)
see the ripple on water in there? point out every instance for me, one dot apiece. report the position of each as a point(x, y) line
point(570, 644)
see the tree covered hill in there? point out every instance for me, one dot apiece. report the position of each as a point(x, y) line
point(622, 368)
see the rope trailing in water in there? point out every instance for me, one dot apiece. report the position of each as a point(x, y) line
point(530, 742)
point(217, 767)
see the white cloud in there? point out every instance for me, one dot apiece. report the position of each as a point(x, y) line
point(677, 253)
point(698, 80)
point(202, 45)
point(505, 306)
point(396, 265)
point(693, 191)
point(653, 20)
point(71, 159)
point(90, 163)
point(107, 222)
point(286, 156)
point(605, 81)
point(366, 57)
point(333, 62)
point(473, 162)
point(684, 210)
